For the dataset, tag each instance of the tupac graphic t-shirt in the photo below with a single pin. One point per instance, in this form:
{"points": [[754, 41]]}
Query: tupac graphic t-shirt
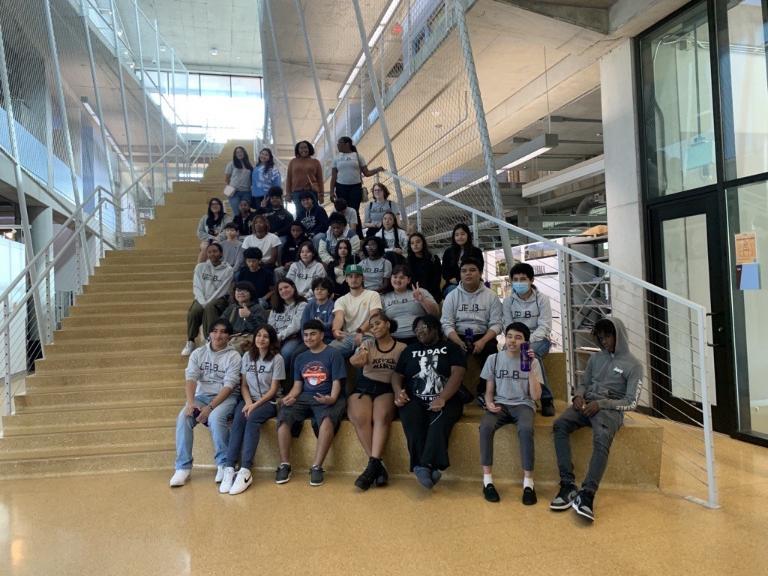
{"points": [[318, 371], [426, 369]]}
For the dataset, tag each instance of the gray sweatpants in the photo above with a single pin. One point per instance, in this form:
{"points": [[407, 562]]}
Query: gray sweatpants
{"points": [[521, 415], [604, 425]]}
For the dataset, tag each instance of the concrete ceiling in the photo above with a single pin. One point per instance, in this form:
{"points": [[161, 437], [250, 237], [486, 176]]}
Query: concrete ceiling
{"points": [[194, 27]]}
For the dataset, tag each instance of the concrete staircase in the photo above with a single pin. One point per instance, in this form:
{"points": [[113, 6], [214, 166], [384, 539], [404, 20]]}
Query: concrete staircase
{"points": [[106, 395]]}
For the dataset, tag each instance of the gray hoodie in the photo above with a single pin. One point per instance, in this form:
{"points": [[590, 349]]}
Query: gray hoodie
{"points": [[478, 311], [202, 229], [213, 370], [210, 282], [535, 312], [288, 323], [302, 275], [613, 380]]}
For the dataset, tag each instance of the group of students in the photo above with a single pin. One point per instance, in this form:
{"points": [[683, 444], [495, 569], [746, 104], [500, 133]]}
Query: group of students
{"points": [[284, 311]]}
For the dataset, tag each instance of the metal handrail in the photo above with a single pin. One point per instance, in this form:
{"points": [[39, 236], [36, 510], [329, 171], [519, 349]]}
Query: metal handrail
{"points": [[147, 171], [42, 276]]}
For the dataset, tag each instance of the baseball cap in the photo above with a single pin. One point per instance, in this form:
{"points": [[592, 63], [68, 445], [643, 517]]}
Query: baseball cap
{"points": [[353, 269]]}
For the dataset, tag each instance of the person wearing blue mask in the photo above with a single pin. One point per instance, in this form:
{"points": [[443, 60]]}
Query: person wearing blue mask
{"points": [[528, 305]]}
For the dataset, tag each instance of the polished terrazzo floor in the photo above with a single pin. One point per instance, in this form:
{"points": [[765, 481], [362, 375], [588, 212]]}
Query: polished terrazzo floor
{"points": [[134, 524]]}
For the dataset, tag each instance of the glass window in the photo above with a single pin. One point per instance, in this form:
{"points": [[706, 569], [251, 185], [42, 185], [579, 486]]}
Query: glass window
{"points": [[244, 87], [677, 105], [211, 85], [748, 213], [745, 108]]}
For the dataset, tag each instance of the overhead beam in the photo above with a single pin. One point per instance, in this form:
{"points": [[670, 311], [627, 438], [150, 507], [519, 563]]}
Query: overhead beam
{"points": [[576, 173], [595, 19]]}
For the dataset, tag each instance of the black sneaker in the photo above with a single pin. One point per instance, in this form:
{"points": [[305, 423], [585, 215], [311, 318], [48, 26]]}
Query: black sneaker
{"points": [[564, 497], [490, 493], [584, 505], [383, 478], [283, 474], [547, 408], [369, 475], [529, 496], [316, 476]]}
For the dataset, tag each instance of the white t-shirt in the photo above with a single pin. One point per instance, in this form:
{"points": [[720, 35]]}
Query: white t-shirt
{"points": [[348, 165], [259, 374], [357, 308], [264, 244], [389, 239]]}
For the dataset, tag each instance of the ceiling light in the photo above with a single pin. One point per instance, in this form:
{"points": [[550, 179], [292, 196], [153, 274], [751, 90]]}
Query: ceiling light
{"points": [[518, 155], [214, 51]]}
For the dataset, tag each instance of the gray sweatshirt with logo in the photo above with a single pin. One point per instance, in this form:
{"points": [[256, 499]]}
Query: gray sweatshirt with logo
{"points": [[613, 380], [535, 312], [287, 323], [213, 370], [478, 311], [210, 282]]}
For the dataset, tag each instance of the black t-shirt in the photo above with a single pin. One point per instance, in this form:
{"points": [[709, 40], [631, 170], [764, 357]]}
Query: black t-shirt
{"points": [[263, 279], [426, 369]]}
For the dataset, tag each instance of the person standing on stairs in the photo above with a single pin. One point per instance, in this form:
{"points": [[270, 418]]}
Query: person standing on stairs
{"points": [[265, 175], [238, 175], [304, 174], [262, 370], [610, 386], [528, 305], [210, 284], [212, 380]]}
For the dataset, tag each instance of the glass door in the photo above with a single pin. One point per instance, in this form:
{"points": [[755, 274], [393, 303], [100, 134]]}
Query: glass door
{"points": [[688, 259]]}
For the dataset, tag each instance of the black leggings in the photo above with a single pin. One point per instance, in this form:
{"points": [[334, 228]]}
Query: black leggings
{"points": [[427, 432]]}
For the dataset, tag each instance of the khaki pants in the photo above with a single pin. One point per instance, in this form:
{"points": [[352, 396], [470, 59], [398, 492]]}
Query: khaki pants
{"points": [[241, 342]]}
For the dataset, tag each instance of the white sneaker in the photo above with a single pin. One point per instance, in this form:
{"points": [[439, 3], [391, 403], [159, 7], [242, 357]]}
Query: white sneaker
{"points": [[180, 477], [242, 481], [219, 474], [188, 348], [226, 481]]}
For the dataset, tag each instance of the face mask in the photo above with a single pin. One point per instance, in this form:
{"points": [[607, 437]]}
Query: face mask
{"points": [[520, 288]]}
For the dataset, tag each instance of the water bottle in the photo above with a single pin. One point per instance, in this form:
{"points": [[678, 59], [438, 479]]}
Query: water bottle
{"points": [[469, 338], [525, 362]]}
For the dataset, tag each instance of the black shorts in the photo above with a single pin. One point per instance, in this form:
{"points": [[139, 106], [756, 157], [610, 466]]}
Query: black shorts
{"points": [[295, 414], [373, 388]]}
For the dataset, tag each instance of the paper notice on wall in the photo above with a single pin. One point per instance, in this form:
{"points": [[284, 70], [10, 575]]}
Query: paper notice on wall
{"points": [[746, 248]]}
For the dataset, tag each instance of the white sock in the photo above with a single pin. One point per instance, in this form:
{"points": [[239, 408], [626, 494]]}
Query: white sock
{"points": [[487, 479], [527, 482]]}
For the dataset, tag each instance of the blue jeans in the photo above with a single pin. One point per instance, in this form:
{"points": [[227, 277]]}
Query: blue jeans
{"points": [[245, 433], [347, 346], [237, 197], [217, 422], [541, 349]]}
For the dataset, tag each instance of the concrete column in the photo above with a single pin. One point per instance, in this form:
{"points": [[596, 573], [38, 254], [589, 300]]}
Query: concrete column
{"points": [[624, 192], [41, 226]]}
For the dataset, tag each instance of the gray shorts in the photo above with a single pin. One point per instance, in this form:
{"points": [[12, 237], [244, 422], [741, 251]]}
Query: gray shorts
{"points": [[295, 414]]}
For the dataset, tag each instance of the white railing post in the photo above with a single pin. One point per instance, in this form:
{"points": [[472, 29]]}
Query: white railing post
{"points": [[706, 406], [318, 95], [482, 125], [160, 99], [7, 392], [268, 12], [379, 107], [146, 100]]}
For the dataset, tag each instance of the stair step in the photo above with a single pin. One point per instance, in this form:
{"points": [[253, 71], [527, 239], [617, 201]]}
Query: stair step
{"points": [[142, 277], [47, 401], [137, 296], [35, 446], [159, 284], [121, 311], [104, 379], [89, 362], [146, 256], [139, 461], [146, 327], [159, 343], [141, 267], [97, 418], [160, 240], [83, 317]]}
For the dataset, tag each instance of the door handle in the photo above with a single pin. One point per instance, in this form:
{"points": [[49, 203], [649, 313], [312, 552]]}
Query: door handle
{"points": [[715, 345]]}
